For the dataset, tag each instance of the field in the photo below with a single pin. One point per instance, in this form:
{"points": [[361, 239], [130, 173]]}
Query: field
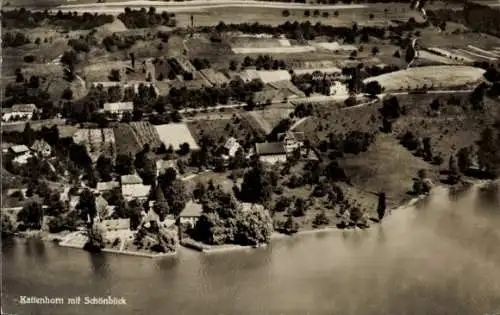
{"points": [[430, 76], [267, 119], [126, 140], [175, 135], [221, 129], [386, 166], [97, 141], [453, 128], [146, 134]]}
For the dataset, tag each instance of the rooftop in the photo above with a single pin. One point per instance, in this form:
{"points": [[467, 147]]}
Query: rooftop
{"points": [[192, 209], [231, 142], [131, 179], [118, 106], [270, 148], [299, 136], [24, 107], [104, 186], [19, 148]]}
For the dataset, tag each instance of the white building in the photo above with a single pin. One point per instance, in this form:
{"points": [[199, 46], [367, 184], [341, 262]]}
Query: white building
{"points": [[118, 108], [133, 188], [271, 152], [291, 140], [338, 88], [20, 154], [19, 112], [231, 146], [191, 213]]}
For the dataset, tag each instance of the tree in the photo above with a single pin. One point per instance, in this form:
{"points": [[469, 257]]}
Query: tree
{"points": [[86, 206], [464, 160], [184, 148], [124, 165], [435, 105], [95, 240], [427, 149], [373, 88], [390, 108], [381, 205], [114, 75], [488, 152], [69, 59], [290, 226], [176, 196], [67, 94], [307, 13], [31, 215], [336, 13], [477, 96], [371, 16], [257, 184], [285, 13], [397, 54], [104, 166], [28, 135], [375, 50], [453, 171], [334, 172], [7, 227], [321, 219], [233, 65], [254, 228]]}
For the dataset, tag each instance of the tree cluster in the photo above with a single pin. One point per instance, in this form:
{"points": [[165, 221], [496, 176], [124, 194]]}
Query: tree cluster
{"points": [[143, 18]]}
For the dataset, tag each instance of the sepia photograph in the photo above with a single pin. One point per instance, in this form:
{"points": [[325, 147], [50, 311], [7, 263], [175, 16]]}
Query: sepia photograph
{"points": [[250, 157]]}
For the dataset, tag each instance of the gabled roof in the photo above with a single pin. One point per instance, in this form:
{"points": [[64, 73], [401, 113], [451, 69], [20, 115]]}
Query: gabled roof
{"points": [[131, 179], [19, 148], [24, 107], [299, 136], [104, 186], [192, 209], [270, 148], [118, 106]]}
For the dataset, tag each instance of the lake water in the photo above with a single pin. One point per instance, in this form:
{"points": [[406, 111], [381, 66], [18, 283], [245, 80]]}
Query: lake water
{"points": [[443, 258]]}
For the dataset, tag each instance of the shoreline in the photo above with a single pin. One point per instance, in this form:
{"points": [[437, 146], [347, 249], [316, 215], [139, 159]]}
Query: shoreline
{"points": [[209, 249]]}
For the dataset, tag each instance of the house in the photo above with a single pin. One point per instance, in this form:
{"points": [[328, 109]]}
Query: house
{"points": [[107, 186], [118, 108], [231, 147], [20, 153], [41, 148], [248, 206], [19, 112], [163, 165], [271, 152], [291, 140], [133, 188], [115, 224], [338, 88], [191, 213]]}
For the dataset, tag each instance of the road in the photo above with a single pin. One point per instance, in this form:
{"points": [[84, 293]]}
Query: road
{"points": [[114, 7]]}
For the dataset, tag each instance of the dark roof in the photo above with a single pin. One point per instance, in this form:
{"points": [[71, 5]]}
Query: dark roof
{"points": [[192, 209], [270, 148]]}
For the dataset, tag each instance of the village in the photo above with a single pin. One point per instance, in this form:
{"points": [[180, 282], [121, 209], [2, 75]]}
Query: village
{"points": [[134, 136]]}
